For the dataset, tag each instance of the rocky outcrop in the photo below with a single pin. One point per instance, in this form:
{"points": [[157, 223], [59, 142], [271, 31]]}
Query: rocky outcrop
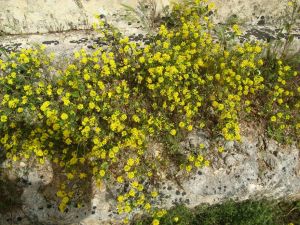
{"points": [[59, 26], [45, 16], [255, 168]]}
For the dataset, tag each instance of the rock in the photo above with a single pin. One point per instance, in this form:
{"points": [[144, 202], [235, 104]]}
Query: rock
{"points": [[248, 171], [197, 138], [22, 164], [230, 160]]}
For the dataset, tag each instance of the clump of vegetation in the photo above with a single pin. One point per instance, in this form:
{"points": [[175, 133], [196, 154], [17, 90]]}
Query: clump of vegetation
{"points": [[98, 115], [233, 213]]}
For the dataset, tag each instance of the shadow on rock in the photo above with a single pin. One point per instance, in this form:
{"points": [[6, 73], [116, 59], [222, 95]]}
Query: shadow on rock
{"points": [[28, 195]]}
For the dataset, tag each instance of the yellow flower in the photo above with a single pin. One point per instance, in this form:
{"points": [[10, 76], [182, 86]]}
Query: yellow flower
{"points": [[188, 168], [273, 118], [70, 176], [92, 105], [39, 153], [86, 77], [201, 146], [3, 119], [76, 55], [140, 187], [123, 117], [45, 105], [236, 29], [154, 194], [142, 59], [190, 127], [181, 124], [130, 175], [62, 207], [82, 175], [206, 163], [93, 93], [84, 60], [221, 149], [155, 222], [80, 106], [211, 6], [120, 198], [127, 168], [127, 209], [130, 162], [20, 110], [197, 164], [131, 193], [202, 125], [136, 118], [120, 179], [173, 132], [191, 158], [147, 206], [64, 116], [176, 219], [102, 173]]}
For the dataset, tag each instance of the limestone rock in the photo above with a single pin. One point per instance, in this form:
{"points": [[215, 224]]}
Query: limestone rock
{"points": [[248, 171]]}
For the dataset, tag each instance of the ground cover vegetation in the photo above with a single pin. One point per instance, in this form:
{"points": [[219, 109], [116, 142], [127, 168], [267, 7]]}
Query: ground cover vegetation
{"points": [[98, 114], [262, 212]]}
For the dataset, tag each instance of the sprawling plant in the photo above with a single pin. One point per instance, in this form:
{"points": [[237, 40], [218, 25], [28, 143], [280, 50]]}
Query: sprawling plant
{"points": [[98, 115]]}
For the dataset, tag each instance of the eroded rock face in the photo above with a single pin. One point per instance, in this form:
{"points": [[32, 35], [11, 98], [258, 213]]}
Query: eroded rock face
{"points": [[59, 25], [254, 11], [252, 169], [44, 16]]}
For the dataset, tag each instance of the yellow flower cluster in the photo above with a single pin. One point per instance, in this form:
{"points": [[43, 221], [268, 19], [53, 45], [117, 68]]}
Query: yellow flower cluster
{"points": [[101, 110]]}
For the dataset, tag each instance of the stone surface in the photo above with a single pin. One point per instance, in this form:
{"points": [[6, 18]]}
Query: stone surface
{"points": [[63, 44], [256, 168], [44, 16], [251, 11], [36, 22]]}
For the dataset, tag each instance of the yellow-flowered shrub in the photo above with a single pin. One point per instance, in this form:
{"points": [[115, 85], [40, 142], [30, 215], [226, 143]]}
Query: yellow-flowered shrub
{"points": [[102, 110]]}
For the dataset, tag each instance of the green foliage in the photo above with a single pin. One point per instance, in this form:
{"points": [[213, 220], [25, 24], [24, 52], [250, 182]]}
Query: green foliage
{"points": [[246, 213], [98, 115], [262, 212]]}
